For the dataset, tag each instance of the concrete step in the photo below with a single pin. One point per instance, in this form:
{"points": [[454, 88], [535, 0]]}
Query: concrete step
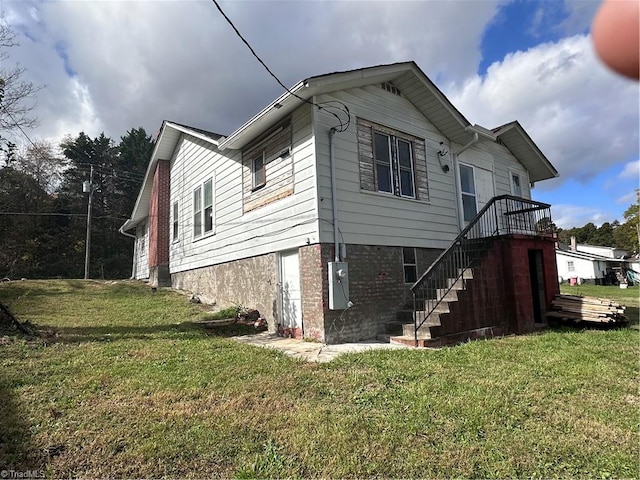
{"points": [[410, 341], [424, 331], [450, 296], [467, 274]]}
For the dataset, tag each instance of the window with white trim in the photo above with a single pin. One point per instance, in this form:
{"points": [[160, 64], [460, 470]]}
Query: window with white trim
{"points": [[394, 168], [571, 266], [516, 187], [468, 192], [409, 265], [203, 209], [175, 222]]}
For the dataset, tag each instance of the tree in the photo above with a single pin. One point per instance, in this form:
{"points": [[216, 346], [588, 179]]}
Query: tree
{"points": [[17, 96], [118, 173], [24, 233], [627, 234]]}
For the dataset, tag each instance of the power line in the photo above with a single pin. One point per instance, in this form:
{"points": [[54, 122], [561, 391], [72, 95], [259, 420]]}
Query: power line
{"points": [[319, 106], [52, 214], [18, 125]]}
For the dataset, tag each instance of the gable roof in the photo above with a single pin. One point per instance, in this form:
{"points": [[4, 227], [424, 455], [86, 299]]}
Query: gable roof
{"points": [[166, 143], [406, 76], [516, 139]]}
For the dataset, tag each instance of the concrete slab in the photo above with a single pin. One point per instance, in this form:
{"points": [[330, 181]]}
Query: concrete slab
{"points": [[311, 351]]}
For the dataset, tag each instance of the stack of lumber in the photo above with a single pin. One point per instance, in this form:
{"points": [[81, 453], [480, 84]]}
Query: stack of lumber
{"points": [[587, 309]]}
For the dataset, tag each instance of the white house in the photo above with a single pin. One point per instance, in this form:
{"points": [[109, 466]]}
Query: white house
{"points": [[607, 252], [581, 265], [323, 209]]}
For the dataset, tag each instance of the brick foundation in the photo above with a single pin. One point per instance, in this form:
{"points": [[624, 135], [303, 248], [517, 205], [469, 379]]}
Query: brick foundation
{"points": [[376, 288]]}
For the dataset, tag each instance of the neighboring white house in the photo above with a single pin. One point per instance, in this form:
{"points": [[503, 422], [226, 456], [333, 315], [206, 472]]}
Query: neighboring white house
{"points": [[580, 265], [365, 175]]}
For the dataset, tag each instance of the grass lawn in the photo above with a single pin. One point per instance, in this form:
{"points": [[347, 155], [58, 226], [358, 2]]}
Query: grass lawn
{"points": [[126, 386]]}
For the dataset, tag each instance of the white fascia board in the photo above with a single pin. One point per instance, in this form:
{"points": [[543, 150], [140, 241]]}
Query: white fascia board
{"points": [[266, 117], [136, 214], [192, 133]]}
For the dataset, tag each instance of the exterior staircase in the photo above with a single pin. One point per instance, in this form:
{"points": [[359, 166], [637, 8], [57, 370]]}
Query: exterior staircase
{"points": [[429, 332], [470, 275]]}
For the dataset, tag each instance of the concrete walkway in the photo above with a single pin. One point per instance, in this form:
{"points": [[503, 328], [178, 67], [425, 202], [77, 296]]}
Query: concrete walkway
{"points": [[310, 351]]}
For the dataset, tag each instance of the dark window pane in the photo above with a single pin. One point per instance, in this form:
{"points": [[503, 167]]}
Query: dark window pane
{"points": [[208, 219], [258, 171], [381, 148], [406, 183], [404, 154], [410, 274], [466, 179], [409, 255], [468, 207], [384, 178]]}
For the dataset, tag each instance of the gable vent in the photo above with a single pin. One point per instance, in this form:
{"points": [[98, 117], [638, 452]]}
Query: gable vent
{"points": [[391, 88]]}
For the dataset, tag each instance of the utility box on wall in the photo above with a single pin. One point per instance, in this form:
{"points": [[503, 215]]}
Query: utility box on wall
{"points": [[338, 285]]}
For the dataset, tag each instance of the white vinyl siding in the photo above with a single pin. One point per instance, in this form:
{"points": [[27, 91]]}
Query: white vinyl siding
{"points": [[371, 218], [142, 251], [287, 223]]}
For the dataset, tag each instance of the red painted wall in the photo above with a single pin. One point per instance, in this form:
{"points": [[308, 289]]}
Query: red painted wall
{"points": [[500, 295]]}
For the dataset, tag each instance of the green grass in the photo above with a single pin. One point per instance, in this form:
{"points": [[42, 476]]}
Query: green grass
{"points": [[123, 384]]}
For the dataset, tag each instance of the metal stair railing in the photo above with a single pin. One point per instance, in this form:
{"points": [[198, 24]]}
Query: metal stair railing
{"points": [[503, 215]]}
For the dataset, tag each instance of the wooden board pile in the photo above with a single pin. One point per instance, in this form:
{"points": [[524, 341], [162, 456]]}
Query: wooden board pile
{"points": [[587, 309]]}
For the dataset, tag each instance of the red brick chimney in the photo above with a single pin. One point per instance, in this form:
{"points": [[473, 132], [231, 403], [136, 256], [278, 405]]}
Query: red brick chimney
{"points": [[159, 227]]}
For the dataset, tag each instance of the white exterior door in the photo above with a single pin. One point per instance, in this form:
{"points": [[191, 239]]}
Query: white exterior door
{"points": [[476, 189], [290, 290]]}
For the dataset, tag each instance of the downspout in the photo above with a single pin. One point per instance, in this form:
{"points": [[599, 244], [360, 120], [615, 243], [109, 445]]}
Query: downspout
{"points": [[135, 248], [334, 197], [456, 176]]}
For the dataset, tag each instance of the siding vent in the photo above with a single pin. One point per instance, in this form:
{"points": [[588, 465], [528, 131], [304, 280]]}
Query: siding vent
{"points": [[391, 88]]}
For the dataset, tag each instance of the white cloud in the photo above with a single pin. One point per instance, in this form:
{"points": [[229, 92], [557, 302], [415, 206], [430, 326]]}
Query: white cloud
{"points": [[569, 216], [136, 63], [628, 198], [631, 170], [584, 118]]}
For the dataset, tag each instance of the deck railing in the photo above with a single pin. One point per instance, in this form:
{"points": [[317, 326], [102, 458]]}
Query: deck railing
{"points": [[503, 215]]}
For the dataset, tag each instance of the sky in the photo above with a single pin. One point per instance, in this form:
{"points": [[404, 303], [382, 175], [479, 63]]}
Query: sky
{"points": [[110, 66]]}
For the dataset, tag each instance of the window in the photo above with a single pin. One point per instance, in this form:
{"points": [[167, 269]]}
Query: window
{"points": [[175, 221], [258, 171], [393, 165], [391, 161], [468, 189], [516, 188], [570, 266], [410, 265], [144, 236], [203, 209]]}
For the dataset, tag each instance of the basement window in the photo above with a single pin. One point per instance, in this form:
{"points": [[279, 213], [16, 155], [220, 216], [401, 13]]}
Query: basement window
{"points": [[410, 265]]}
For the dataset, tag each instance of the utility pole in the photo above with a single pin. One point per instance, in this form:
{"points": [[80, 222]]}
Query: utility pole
{"points": [[87, 254]]}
